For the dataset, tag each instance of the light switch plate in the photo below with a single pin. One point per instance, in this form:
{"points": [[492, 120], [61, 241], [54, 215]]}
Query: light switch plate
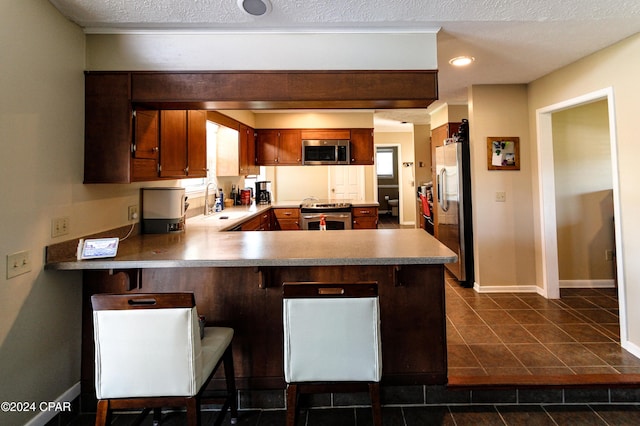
{"points": [[18, 263], [501, 196]]}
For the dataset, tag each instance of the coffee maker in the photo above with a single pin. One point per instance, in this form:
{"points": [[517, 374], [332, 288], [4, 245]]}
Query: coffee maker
{"points": [[263, 192]]}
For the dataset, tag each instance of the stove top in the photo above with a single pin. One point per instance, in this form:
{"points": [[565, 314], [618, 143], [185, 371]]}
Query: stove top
{"points": [[324, 204]]}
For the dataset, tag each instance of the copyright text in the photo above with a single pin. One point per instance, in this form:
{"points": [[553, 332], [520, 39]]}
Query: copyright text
{"points": [[25, 406]]}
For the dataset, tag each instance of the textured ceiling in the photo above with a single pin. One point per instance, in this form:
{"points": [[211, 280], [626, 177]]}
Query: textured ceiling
{"points": [[513, 41]]}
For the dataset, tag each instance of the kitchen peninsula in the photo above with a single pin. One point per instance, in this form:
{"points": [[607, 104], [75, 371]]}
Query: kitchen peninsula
{"points": [[237, 277]]}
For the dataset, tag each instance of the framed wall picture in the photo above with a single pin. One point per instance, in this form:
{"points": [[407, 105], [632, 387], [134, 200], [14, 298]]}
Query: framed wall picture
{"points": [[503, 153]]}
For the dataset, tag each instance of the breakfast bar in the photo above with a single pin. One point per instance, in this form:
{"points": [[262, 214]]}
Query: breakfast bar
{"points": [[237, 281]]}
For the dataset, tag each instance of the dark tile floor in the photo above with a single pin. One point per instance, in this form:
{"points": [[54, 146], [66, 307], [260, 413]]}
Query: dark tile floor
{"points": [[526, 334], [581, 414]]}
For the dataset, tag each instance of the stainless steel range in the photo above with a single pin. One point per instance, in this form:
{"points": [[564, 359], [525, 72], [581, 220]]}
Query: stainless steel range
{"points": [[337, 215]]}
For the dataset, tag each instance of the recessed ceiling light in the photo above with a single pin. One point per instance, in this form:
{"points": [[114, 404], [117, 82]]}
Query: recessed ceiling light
{"points": [[461, 61], [255, 7]]}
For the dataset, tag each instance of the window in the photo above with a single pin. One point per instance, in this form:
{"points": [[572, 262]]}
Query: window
{"points": [[384, 163]]}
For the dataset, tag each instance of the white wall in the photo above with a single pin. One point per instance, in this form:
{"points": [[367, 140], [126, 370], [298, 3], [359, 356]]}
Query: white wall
{"points": [[41, 140], [262, 51]]}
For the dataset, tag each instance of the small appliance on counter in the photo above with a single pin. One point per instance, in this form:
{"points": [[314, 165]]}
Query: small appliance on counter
{"points": [[163, 210], [263, 192]]}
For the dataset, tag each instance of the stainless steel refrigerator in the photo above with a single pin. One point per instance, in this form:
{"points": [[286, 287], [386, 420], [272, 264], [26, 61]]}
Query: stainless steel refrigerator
{"points": [[453, 214]]}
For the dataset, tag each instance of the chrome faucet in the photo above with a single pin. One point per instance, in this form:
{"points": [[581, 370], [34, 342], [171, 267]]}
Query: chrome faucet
{"points": [[208, 209]]}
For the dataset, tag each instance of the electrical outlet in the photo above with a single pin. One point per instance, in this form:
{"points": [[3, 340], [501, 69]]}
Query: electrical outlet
{"points": [[59, 226], [501, 196], [133, 213], [18, 263]]}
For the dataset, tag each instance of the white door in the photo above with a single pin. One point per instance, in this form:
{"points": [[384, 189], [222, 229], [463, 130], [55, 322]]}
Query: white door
{"points": [[346, 182]]}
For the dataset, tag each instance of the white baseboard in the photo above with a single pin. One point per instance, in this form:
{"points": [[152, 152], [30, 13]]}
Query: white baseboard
{"points": [[631, 347], [45, 416], [587, 283], [507, 289]]}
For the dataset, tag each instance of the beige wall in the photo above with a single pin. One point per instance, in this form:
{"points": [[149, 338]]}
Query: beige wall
{"points": [[422, 152], [502, 231], [584, 196], [612, 67], [41, 136]]}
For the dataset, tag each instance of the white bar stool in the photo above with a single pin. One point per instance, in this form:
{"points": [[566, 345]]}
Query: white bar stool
{"points": [[331, 341], [149, 353]]}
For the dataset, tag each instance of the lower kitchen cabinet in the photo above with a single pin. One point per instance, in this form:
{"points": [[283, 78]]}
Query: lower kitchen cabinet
{"points": [[364, 217], [286, 219]]}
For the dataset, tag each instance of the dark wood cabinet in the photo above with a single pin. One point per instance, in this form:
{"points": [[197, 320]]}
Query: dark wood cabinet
{"points": [[183, 144], [173, 144], [361, 148], [248, 157], [196, 143], [364, 217], [286, 219], [108, 127], [277, 147], [146, 145]]}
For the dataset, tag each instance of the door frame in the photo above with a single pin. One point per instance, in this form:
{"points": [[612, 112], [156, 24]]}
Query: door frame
{"points": [[400, 177], [546, 182]]}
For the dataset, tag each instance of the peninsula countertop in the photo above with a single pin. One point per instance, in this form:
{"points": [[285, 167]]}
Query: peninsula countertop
{"points": [[203, 245]]}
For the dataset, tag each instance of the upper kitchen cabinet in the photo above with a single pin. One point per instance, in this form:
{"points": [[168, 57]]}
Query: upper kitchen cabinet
{"points": [[361, 148], [248, 155], [146, 145], [183, 144], [235, 146], [122, 146], [108, 128], [278, 147]]}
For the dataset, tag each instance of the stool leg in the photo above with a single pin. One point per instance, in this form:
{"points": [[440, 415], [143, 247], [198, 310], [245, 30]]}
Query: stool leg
{"points": [[102, 413], [292, 404], [229, 375], [193, 411], [374, 393]]}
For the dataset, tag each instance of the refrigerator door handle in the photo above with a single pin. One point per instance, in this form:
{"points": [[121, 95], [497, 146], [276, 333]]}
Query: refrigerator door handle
{"points": [[442, 190]]}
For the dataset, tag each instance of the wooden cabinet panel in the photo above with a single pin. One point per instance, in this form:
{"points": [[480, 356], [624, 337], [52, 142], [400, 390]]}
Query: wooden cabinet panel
{"points": [[277, 147], [197, 144], [267, 147], [325, 134], [108, 127], [146, 137], [253, 224], [173, 143], [183, 144], [286, 219], [144, 169], [364, 217], [289, 147], [361, 147], [248, 156]]}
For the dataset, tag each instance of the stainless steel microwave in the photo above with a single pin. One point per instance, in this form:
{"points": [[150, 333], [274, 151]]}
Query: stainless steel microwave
{"points": [[325, 151]]}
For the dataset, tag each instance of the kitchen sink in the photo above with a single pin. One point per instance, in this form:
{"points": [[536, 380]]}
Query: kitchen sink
{"points": [[224, 215]]}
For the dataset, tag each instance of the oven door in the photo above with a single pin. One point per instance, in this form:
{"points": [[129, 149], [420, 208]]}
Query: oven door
{"points": [[334, 221]]}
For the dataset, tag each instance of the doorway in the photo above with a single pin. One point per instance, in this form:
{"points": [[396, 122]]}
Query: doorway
{"points": [[548, 205], [388, 182]]}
